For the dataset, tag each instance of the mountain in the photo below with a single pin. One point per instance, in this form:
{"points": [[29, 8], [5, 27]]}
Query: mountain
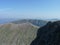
{"points": [[17, 34], [36, 22], [6, 20], [55, 19], [48, 34], [33, 21]]}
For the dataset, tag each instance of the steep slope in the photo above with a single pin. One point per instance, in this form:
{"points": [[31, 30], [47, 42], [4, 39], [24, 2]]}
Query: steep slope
{"points": [[33, 21], [17, 34], [48, 34]]}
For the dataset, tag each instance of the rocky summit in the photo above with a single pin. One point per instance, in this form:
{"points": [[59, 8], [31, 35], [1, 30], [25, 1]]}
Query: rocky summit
{"points": [[48, 34]]}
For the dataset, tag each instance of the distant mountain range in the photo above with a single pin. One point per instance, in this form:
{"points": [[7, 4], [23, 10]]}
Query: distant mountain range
{"points": [[37, 22], [52, 20], [6, 20], [33, 21]]}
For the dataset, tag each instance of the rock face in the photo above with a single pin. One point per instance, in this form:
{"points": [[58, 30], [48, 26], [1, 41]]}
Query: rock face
{"points": [[48, 34]]}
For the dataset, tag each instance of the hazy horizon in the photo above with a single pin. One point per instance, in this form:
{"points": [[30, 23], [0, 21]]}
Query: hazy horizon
{"points": [[26, 9]]}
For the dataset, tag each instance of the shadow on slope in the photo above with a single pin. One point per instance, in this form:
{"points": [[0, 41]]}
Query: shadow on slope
{"points": [[48, 34]]}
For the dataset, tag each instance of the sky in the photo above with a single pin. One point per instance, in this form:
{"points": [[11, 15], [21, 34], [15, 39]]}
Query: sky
{"points": [[34, 9]]}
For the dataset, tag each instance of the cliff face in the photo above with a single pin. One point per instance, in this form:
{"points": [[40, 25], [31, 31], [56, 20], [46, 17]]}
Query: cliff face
{"points": [[48, 34]]}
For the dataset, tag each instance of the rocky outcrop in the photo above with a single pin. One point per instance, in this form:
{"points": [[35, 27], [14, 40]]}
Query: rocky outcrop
{"points": [[48, 34]]}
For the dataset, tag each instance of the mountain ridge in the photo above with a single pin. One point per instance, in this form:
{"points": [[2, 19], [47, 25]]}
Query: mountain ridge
{"points": [[33, 21], [17, 34]]}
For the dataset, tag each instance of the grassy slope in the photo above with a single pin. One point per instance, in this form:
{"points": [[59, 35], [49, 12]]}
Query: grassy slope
{"points": [[17, 34]]}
